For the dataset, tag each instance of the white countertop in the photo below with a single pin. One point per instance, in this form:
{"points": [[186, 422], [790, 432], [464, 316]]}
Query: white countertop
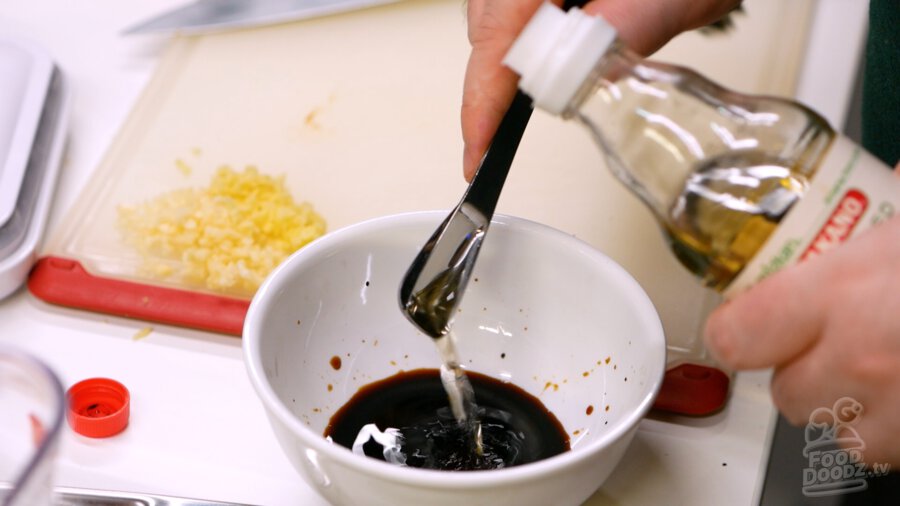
{"points": [[197, 429]]}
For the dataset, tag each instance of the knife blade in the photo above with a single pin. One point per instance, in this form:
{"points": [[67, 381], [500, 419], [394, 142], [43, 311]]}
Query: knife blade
{"points": [[71, 496], [218, 15]]}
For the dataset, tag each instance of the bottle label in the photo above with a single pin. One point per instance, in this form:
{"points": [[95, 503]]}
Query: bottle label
{"points": [[851, 191]]}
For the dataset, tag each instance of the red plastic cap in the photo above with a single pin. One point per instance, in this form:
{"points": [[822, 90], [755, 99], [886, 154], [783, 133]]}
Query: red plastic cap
{"points": [[98, 407], [693, 389]]}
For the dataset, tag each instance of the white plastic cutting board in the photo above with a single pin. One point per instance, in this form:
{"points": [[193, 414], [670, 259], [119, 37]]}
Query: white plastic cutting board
{"points": [[361, 112]]}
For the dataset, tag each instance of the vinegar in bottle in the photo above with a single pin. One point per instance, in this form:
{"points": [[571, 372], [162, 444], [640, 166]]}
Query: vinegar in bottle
{"points": [[741, 185]]}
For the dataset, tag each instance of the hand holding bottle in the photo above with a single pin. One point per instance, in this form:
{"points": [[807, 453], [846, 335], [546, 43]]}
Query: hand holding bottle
{"points": [[745, 186], [494, 24], [830, 328]]}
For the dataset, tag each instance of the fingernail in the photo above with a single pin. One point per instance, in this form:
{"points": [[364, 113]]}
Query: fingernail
{"points": [[468, 163]]}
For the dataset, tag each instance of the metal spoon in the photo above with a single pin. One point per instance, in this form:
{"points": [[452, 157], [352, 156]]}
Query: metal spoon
{"points": [[434, 284]]}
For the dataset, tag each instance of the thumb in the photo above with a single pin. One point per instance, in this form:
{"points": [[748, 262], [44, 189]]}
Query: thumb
{"points": [[771, 323]]}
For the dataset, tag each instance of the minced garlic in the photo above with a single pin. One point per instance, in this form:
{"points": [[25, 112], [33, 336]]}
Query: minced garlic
{"points": [[140, 334], [227, 237]]}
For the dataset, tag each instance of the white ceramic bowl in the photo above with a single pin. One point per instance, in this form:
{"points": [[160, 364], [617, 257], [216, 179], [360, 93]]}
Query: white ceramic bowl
{"points": [[544, 311]]}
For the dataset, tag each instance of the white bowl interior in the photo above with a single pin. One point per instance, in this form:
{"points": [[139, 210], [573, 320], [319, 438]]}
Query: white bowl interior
{"points": [[543, 311]]}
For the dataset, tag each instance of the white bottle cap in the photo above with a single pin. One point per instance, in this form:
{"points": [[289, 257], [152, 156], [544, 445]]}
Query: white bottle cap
{"points": [[555, 53]]}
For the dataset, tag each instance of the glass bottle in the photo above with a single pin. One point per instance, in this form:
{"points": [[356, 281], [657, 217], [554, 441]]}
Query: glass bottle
{"points": [[742, 185]]}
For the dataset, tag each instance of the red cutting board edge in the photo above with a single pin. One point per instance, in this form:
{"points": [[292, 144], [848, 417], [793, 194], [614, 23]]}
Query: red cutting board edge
{"points": [[688, 389], [65, 282]]}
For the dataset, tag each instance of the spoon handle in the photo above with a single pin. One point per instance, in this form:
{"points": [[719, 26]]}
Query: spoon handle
{"points": [[484, 190], [433, 286], [488, 181]]}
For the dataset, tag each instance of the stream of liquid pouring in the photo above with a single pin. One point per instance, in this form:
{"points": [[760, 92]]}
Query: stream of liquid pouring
{"points": [[459, 391]]}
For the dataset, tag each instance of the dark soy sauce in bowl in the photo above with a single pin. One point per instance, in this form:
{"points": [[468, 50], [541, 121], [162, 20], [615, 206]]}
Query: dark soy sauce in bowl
{"points": [[516, 428]]}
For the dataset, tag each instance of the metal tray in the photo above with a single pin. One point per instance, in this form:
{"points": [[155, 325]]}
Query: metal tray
{"points": [[33, 112]]}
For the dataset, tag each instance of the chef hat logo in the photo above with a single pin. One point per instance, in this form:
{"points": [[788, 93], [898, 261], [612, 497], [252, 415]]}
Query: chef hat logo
{"points": [[832, 428]]}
